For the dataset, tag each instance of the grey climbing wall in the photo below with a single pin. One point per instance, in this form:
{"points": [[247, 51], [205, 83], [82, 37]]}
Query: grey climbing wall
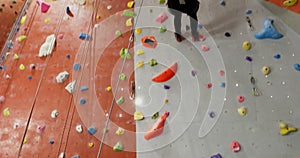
{"points": [[204, 121]]}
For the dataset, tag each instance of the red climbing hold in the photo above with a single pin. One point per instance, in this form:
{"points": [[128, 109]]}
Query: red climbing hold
{"points": [[44, 6], [149, 41], [157, 128], [241, 99], [235, 146]]}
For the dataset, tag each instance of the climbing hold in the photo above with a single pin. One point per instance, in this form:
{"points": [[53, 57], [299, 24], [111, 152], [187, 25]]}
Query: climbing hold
{"points": [[152, 62], [91, 144], [68, 11], [120, 100], [61, 77], [268, 31], [249, 11], [23, 19], [137, 31], [108, 88], [22, 67], [193, 72], [24, 141], [208, 85], [149, 41], [241, 99], [222, 3], [2, 99], [227, 34], [68, 56], [60, 36], [166, 100], [166, 74], [70, 87], [161, 17], [81, 2], [202, 38], [162, 29], [204, 48], [138, 115], [199, 26], [166, 87], [297, 67], [51, 141], [287, 130], [32, 66], [223, 84], [122, 76], [21, 38], [109, 7], [120, 131], [61, 155], [128, 13], [16, 56], [118, 147], [277, 56], [79, 128], [282, 124], [83, 88], [118, 33], [98, 17], [130, 4], [155, 115], [84, 36], [221, 72], [212, 114], [54, 113], [47, 20], [289, 3], [128, 22], [47, 46], [82, 101], [92, 130], [248, 58], [157, 128], [76, 67], [105, 130], [235, 146], [44, 7], [40, 128], [247, 45], [6, 112], [29, 77], [76, 156], [266, 70], [242, 111], [216, 156], [140, 63], [125, 53], [161, 1]]}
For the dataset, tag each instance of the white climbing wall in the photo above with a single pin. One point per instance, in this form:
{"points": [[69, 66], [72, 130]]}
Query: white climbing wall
{"points": [[204, 121]]}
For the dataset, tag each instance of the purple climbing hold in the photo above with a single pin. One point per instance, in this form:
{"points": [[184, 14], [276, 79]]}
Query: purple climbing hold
{"points": [[212, 114], [193, 72], [216, 156], [248, 58], [68, 56], [166, 86]]}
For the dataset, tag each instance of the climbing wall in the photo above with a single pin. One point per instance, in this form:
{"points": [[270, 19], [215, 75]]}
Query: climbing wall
{"points": [[234, 93], [9, 11]]}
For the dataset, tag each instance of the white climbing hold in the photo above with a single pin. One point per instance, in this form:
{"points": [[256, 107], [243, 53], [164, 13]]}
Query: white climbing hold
{"points": [[81, 2], [54, 113], [109, 7], [61, 77], [70, 87], [79, 128], [47, 47], [120, 131], [61, 155]]}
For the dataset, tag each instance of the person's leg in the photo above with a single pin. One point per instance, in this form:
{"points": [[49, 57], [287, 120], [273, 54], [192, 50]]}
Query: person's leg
{"points": [[194, 25], [177, 24]]}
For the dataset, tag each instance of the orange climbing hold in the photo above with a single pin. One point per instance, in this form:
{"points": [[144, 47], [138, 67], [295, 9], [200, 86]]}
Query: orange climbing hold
{"points": [[149, 41], [167, 74]]}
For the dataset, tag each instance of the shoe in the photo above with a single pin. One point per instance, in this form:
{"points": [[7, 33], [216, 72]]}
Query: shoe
{"points": [[195, 38], [178, 37]]}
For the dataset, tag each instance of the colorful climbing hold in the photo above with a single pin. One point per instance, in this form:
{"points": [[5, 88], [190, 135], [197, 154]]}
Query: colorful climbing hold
{"points": [[138, 31], [161, 1], [242, 111], [44, 7], [193, 72], [248, 58], [128, 13], [84, 36], [166, 87], [223, 84], [266, 70], [83, 88], [235, 146], [289, 3], [286, 129], [125, 53], [130, 4], [138, 115], [155, 115], [47, 20], [16, 56], [216, 156], [54, 113], [149, 41], [109, 7], [166, 74], [128, 22], [162, 29], [76, 67], [161, 17], [51, 141], [208, 85], [68, 11], [268, 31], [23, 19], [29, 77], [221, 72], [297, 67], [92, 130], [60, 36], [157, 128], [204, 48], [108, 88], [277, 56], [6, 112], [152, 62], [241, 99], [118, 147], [79, 128], [222, 3], [248, 11], [246, 45], [140, 63], [61, 77], [121, 100], [22, 67], [91, 144], [2, 99], [40, 128], [166, 100], [21, 38], [118, 33], [227, 34], [212, 114], [120, 131], [122, 76], [82, 101]]}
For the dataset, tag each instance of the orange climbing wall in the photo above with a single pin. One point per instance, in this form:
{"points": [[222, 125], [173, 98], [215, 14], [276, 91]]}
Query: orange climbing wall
{"points": [[9, 10], [295, 8], [31, 101]]}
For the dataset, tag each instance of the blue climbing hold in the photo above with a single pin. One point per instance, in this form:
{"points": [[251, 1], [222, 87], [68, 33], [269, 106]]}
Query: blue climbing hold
{"points": [[51, 141], [268, 31], [249, 11], [30, 77], [82, 101], [92, 130], [297, 67], [277, 56], [76, 156], [76, 67], [84, 36], [200, 26], [222, 3], [83, 88], [223, 84]]}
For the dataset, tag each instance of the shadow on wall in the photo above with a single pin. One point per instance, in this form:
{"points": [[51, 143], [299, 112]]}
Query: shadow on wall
{"points": [[9, 11]]}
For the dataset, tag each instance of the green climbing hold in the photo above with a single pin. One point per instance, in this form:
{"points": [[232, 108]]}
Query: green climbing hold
{"points": [[162, 1], [118, 33], [152, 62], [128, 13], [118, 147], [120, 100], [155, 116], [162, 29], [122, 77], [124, 53]]}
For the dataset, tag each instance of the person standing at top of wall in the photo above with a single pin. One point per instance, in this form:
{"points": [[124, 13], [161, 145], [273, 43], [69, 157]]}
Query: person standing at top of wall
{"points": [[189, 7]]}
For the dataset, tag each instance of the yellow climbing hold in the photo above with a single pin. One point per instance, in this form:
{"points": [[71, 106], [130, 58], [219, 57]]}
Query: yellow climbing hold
{"points": [[91, 144], [282, 125], [266, 70], [108, 88], [140, 52], [129, 22], [166, 100], [22, 67], [289, 3], [24, 141], [130, 4], [16, 57], [6, 112], [137, 31], [98, 17], [138, 115], [247, 45], [47, 20], [21, 38], [120, 131], [140, 64], [23, 19], [242, 111], [285, 129]]}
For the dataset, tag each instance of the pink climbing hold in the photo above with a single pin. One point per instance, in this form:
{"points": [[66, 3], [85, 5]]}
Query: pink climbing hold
{"points": [[209, 85], [241, 99], [235, 146], [222, 72], [60, 36], [44, 6], [202, 38], [40, 128], [161, 17], [2, 99], [204, 48]]}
